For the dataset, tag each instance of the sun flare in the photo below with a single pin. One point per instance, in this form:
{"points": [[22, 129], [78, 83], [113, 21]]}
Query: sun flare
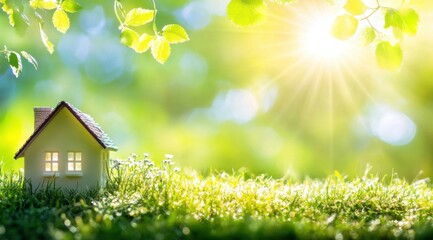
{"points": [[319, 72], [318, 43]]}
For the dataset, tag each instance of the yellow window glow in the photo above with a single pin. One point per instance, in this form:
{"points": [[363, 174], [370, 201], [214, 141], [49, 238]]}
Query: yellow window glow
{"points": [[78, 156], [70, 156], [74, 161], [55, 167], [78, 166], [47, 166], [70, 166]]}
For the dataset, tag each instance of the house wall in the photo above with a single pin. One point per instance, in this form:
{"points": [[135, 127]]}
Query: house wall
{"points": [[105, 156], [64, 134]]}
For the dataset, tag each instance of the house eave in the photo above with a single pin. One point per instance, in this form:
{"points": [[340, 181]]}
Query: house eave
{"points": [[62, 104], [114, 149]]}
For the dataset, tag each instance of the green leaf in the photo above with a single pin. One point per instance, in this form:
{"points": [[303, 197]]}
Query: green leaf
{"points": [[10, 12], [30, 59], [71, 6], [246, 12], [344, 27], [144, 43], [47, 43], [393, 18], [139, 16], [129, 37], [410, 21], [174, 33], [14, 60], [368, 36], [160, 49], [389, 57], [355, 7], [61, 21], [17, 18], [43, 4]]}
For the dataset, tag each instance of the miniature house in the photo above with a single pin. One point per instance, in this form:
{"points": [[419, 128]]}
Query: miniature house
{"points": [[68, 146]]}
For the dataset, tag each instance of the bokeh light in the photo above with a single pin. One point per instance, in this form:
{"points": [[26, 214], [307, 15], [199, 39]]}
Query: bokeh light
{"points": [[196, 15], [238, 105], [74, 48], [391, 126], [93, 21]]}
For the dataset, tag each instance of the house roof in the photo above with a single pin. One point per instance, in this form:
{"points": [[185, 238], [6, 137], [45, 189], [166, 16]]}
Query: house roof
{"points": [[85, 119]]}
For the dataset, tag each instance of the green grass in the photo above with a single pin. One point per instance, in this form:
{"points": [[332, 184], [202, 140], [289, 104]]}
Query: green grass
{"points": [[163, 202]]}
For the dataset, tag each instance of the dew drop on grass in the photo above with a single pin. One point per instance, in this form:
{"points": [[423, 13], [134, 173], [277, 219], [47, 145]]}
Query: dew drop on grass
{"points": [[67, 223], [331, 219], [73, 229], [396, 232], [185, 230]]}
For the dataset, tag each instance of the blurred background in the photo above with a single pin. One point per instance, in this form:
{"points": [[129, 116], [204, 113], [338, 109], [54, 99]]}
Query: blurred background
{"points": [[270, 99]]}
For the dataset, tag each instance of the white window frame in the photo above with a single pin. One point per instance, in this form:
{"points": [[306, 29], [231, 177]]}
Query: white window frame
{"points": [[74, 165], [51, 164]]}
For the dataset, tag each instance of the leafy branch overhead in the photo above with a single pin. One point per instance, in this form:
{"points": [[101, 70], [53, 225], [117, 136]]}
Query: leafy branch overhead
{"points": [[20, 13], [19, 18], [158, 41], [397, 22], [357, 20], [60, 17], [250, 12], [14, 60]]}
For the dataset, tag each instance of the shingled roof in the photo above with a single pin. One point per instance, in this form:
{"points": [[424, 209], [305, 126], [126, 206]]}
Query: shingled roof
{"points": [[85, 119]]}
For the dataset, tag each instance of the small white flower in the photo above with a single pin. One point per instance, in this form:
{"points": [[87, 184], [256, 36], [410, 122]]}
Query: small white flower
{"points": [[147, 161], [115, 162], [149, 176]]}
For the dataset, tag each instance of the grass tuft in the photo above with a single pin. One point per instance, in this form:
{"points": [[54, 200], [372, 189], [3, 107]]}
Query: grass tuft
{"points": [[146, 200]]}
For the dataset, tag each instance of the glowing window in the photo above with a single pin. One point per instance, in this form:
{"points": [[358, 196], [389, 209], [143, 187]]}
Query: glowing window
{"points": [[51, 161], [74, 161]]}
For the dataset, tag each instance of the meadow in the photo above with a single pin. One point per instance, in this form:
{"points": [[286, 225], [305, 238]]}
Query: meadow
{"points": [[161, 201]]}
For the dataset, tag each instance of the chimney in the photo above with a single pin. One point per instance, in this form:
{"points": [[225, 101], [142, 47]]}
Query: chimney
{"points": [[41, 113]]}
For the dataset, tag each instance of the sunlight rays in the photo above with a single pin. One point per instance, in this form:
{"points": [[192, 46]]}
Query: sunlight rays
{"points": [[324, 83], [322, 61], [317, 41], [324, 78]]}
